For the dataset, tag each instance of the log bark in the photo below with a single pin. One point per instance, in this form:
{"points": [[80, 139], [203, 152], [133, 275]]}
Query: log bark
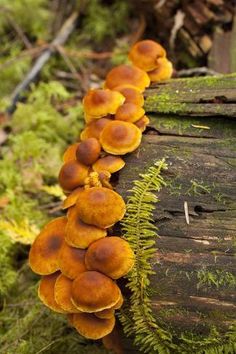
{"points": [[195, 265]]}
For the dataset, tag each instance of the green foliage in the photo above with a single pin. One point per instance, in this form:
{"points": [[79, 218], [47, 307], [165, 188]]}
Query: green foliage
{"points": [[215, 279], [7, 272]]}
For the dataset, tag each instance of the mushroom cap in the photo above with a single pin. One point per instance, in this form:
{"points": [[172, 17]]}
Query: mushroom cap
{"points": [[109, 163], [78, 233], [142, 123], [144, 54], [111, 256], [90, 326], [132, 94], [70, 153], [127, 74], [44, 252], [62, 294], [93, 291], [71, 261], [100, 102], [100, 206], [107, 313], [94, 129], [163, 70], [119, 138], [129, 112], [72, 198], [119, 303], [46, 292], [72, 175], [88, 151]]}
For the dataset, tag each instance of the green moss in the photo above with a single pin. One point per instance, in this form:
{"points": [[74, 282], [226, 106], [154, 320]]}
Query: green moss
{"points": [[164, 102], [215, 279]]}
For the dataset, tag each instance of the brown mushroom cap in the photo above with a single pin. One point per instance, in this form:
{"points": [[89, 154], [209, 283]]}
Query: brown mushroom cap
{"points": [[132, 94], [127, 74], [72, 175], [71, 261], [129, 112], [163, 71], [142, 123], [78, 233], [99, 102], [88, 151], [119, 303], [93, 292], [111, 256], [109, 163], [62, 294], [100, 206], [44, 252], [144, 54], [94, 129], [92, 327], [119, 138], [107, 313], [72, 198], [46, 292], [70, 153]]}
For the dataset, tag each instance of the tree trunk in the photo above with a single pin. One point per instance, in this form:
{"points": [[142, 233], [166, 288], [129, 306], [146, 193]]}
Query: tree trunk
{"points": [[195, 269]]}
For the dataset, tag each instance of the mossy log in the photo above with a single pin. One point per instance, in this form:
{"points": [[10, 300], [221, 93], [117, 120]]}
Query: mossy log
{"points": [[195, 265]]}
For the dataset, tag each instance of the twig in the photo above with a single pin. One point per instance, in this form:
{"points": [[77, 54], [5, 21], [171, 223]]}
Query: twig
{"points": [[186, 213], [19, 31], [60, 39]]}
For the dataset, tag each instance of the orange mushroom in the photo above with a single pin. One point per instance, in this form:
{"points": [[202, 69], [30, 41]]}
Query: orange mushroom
{"points": [[111, 256], [142, 123], [71, 261], [88, 151], [46, 292], [62, 294], [72, 175], [94, 129], [92, 327], [44, 252], [144, 54], [109, 163], [100, 206], [119, 138], [93, 292], [72, 198], [78, 233], [107, 313], [119, 303], [127, 74], [129, 112], [163, 70], [132, 94], [70, 153]]}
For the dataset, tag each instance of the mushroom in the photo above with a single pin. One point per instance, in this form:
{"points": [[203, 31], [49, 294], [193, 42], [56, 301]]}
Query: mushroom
{"points": [[93, 291], [109, 163], [111, 256], [72, 175], [132, 94], [92, 327], [163, 70], [142, 123], [119, 138], [78, 233], [100, 206], [100, 102], [70, 153], [62, 294], [71, 261], [44, 252], [129, 112], [88, 151], [46, 292], [119, 303], [94, 129], [127, 74], [72, 198], [107, 313], [113, 343]]}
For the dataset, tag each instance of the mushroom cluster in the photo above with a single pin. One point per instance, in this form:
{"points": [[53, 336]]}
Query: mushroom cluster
{"points": [[78, 260]]}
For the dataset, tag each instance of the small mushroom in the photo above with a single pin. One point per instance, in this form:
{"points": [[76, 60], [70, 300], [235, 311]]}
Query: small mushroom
{"points": [[100, 102], [144, 54], [107, 313], [129, 112], [44, 252], [127, 74], [72, 175], [88, 151], [119, 303], [142, 123], [94, 129], [79, 234], [113, 343], [62, 294], [71, 261], [163, 71], [90, 326], [111, 256], [93, 291], [119, 138], [132, 94], [72, 198], [70, 153], [109, 163], [100, 206], [46, 292]]}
